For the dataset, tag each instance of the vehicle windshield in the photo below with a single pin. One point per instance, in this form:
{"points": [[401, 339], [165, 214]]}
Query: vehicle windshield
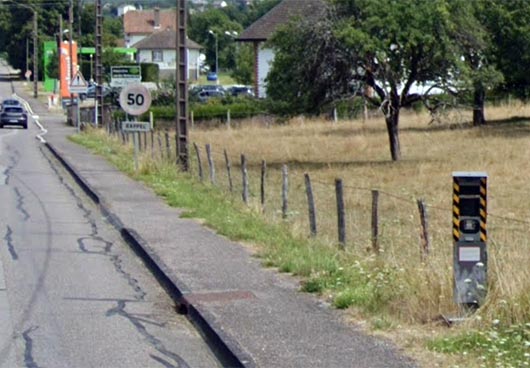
{"points": [[13, 109]]}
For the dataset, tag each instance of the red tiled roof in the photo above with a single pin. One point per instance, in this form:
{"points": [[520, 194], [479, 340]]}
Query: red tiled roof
{"points": [[143, 21], [263, 28]]}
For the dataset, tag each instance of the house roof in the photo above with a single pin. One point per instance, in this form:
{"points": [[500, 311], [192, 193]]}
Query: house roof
{"points": [[163, 40], [264, 27], [143, 21]]}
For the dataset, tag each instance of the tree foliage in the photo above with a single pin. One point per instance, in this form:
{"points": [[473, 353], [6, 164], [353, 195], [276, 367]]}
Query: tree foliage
{"points": [[319, 66], [395, 48]]}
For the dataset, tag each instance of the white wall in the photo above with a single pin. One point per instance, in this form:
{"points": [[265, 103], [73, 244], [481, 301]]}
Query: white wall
{"points": [[168, 63], [265, 58], [130, 40]]}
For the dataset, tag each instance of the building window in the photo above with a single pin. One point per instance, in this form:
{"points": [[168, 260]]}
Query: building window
{"points": [[158, 55]]}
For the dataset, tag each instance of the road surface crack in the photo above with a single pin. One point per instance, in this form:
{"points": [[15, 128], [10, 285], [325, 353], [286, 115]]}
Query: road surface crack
{"points": [[9, 240]]}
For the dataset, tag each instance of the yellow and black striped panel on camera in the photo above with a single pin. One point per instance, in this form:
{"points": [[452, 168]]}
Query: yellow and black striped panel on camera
{"points": [[483, 209], [469, 206]]}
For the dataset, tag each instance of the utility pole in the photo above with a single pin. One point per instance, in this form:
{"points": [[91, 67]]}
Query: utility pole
{"points": [[59, 49], [35, 52], [181, 90], [99, 67], [70, 35]]}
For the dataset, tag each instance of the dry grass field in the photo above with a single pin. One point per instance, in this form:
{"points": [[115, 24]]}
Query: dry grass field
{"points": [[358, 153], [398, 292]]}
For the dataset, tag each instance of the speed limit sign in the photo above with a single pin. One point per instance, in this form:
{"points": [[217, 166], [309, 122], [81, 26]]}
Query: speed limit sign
{"points": [[135, 99]]}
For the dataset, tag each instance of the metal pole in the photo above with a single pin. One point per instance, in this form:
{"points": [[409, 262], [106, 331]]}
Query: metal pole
{"points": [[27, 57], [216, 59]]}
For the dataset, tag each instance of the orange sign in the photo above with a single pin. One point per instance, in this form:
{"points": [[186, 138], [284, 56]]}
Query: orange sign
{"points": [[66, 61]]}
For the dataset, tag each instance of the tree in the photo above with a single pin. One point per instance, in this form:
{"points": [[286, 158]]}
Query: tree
{"points": [[243, 71], [397, 45], [218, 22], [478, 72], [507, 23], [311, 68]]}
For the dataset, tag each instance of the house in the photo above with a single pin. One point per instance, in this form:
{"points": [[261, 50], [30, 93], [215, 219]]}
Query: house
{"points": [[159, 48], [262, 30], [122, 9], [138, 24]]}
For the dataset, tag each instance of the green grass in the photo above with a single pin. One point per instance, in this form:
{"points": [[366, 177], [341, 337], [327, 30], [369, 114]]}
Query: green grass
{"points": [[343, 277], [323, 267], [224, 79], [496, 347]]}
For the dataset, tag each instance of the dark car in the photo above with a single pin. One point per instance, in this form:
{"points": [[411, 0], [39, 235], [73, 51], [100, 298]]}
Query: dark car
{"points": [[11, 102], [13, 115], [241, 91], [203, 93], [91, 92]]}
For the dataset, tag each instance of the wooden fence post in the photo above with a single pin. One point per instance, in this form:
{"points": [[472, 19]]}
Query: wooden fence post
{"points": [[199, 164], [160, 150], [310, 205], [285, 191], [152, 144], [262, 184], [244, 174], [168, 146], [210, 163], [229, 172], [341, 216], [424, 234], [375, 221]]}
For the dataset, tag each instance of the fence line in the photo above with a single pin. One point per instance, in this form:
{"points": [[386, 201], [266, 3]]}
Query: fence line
{"points": [[381, 230]]}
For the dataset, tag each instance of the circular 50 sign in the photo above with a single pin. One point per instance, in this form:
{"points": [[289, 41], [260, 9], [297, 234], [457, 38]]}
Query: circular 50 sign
{"points": [[135, 99]]}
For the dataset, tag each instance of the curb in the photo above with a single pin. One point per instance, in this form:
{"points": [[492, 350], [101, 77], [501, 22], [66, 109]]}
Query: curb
{"points": [[224, 347]]}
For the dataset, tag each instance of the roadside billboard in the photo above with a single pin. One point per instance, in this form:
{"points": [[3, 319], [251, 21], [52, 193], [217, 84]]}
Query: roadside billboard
{"points": [[66, 61]]}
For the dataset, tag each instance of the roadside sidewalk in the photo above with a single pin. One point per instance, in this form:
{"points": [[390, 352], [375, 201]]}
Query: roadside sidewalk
{"points": [[257, 317]]}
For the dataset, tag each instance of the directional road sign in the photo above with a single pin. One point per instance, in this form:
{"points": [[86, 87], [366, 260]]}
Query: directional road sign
{"points": [[121, 76]]}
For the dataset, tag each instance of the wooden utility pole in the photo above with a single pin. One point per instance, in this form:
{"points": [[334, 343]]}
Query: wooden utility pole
{"points": [[35, 54], [71, 53], [181, 88]]}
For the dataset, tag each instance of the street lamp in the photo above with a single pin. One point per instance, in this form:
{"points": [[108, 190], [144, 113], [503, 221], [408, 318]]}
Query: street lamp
{"points": [[216, 54], [91, 68]]}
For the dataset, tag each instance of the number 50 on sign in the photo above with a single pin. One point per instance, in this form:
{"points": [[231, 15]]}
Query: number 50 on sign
{"points": [[135, 99]]}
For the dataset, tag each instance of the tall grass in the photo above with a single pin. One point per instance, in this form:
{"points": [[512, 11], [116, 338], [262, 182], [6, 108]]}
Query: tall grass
{"points": [[358, 153], [397, 286]]}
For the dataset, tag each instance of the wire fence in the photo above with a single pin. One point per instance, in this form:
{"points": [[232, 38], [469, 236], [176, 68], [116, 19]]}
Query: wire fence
{"points": [[396, 226]]}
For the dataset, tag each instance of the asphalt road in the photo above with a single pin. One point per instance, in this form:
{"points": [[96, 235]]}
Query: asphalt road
{"points": [[72, 294]]}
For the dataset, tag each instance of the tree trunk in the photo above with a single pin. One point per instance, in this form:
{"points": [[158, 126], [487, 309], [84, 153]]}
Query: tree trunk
{"points": [[392, 121], [479, 96]]}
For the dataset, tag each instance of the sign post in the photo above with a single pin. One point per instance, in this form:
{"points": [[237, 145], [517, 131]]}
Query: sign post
{"points": [[135, 99], [78, 85], [469, 235]]}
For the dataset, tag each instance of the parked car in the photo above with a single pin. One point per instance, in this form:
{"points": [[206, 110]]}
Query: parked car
{"points": [[91, 92], [203, 93], [211, 76], [13, 115], [243, 91]]}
